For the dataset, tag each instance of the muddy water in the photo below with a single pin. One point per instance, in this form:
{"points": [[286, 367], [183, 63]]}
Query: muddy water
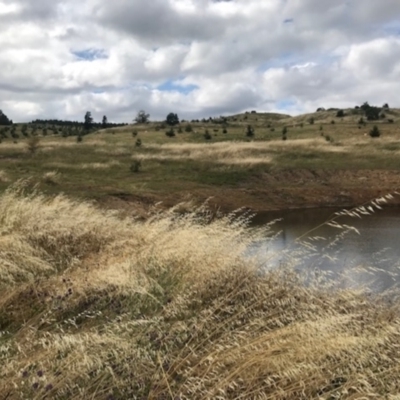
{"points": [[369, 259]]}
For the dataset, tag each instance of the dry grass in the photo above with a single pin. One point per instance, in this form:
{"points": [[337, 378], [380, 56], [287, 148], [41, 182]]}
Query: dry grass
{"points": [[93, 305]]}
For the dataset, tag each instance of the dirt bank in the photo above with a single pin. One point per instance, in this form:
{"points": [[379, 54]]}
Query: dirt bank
{"points": [[275, 190]]}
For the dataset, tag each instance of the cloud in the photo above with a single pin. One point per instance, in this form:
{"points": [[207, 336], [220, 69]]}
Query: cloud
{"points": [[198, 58]]}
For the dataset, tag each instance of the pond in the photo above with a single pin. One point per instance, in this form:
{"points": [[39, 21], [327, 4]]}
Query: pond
{"points": [[363, 252]]}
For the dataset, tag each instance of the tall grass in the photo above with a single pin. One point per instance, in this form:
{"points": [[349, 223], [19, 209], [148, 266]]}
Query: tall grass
{"points": [[94, 305]]}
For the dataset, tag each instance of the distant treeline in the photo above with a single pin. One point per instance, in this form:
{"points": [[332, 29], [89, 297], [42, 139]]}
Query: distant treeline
{"points": [[75, 124]]}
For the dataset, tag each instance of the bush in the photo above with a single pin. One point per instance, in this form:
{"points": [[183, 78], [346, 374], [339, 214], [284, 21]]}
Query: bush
{"points": [[170, 132], [79, 138], [374, 132], [250, 131], [33, 144], [188, 128], [134, 133], [311, 121], [138, 143], [340, 114], [207, 135], [224, 130], [136, 165]]}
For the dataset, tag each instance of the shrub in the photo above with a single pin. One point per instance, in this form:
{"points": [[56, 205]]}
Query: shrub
{"points": [[207, 135], [188, 128], [250, 131], [224, 130], [134, 133], [170, 132], [138, 143], [33, 144], [374, 132], [311, 120], [136, 165], [79, 138], [340, 114]]}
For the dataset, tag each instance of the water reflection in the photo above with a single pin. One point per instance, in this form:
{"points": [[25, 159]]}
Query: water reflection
{"points": [[369, 259]]}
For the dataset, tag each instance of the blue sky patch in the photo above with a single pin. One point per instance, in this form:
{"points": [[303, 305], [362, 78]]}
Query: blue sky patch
{"points": [[90, 54], [171, 86], [286, 104]]}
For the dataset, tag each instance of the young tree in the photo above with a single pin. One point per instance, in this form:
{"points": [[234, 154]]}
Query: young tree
{"points": [[374, 132], [172, 119], [142, 117], [88, 121], [104, 122]]}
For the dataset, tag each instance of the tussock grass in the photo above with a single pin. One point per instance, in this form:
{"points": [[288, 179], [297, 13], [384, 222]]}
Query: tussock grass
{"points": [[94, 305]]}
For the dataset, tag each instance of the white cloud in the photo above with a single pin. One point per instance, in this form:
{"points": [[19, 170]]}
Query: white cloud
{"points": [[291, 55]]}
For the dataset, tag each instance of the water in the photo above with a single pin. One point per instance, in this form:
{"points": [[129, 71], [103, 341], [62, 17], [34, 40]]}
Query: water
{"points": [[369, 259]]}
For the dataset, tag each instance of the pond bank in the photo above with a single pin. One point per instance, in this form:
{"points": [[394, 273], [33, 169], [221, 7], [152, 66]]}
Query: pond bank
{"points": [[275, 190]]}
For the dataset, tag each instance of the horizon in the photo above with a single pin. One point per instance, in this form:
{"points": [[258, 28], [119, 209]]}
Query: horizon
{"points": [[197, 58]]}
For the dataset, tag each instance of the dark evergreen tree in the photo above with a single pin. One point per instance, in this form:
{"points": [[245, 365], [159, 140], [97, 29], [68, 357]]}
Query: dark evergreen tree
{"points": [[172, 119], [104, 122], [88, 121], [4, 120]]}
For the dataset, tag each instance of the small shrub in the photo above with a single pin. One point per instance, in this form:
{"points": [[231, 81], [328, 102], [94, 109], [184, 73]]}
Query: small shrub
{"points": [[390, 121], [188, 128], [340, 114], [170, 132], [79, 139], [136, 165], [224, 130], [207, 135], [138, 143], [311, 120], [33, 144], [250, 131], [134, 133], [333, 122], [374, 132]]}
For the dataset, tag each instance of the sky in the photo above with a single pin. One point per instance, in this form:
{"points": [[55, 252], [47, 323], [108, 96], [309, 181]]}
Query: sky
{"points": [[196, 58]]}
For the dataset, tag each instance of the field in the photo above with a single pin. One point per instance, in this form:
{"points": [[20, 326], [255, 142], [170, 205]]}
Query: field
{"points": [[117, 282], [319, 164]]}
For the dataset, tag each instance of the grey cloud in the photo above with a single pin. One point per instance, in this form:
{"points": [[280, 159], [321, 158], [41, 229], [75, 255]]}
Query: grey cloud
{"points": [[157, 22]]}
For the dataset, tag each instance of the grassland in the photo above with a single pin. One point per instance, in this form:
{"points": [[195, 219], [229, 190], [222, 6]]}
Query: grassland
{"points": [[319, 164], [98, 303]]}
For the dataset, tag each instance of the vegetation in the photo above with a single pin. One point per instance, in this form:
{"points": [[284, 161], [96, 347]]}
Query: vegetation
{"points": [[142, 117], [375, 132], [97, 305], [172, 119], [4, 120]]}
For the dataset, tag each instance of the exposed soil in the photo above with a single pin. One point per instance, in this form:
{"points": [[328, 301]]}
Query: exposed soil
{"points": [[275, 190]]}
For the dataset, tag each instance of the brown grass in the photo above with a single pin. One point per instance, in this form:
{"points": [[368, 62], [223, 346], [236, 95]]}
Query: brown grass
{"points": [[94, 305]]}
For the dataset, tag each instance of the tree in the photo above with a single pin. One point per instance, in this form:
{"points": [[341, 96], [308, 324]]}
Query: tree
{"points": [[371, 112], [340, 114], [172, 119], [374, 132], [104, 123], [88, 121], [142, 117], [4, 120]]}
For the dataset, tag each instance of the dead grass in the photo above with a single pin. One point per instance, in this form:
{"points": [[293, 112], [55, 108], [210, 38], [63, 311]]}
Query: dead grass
{"points": [[93, 305]]}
